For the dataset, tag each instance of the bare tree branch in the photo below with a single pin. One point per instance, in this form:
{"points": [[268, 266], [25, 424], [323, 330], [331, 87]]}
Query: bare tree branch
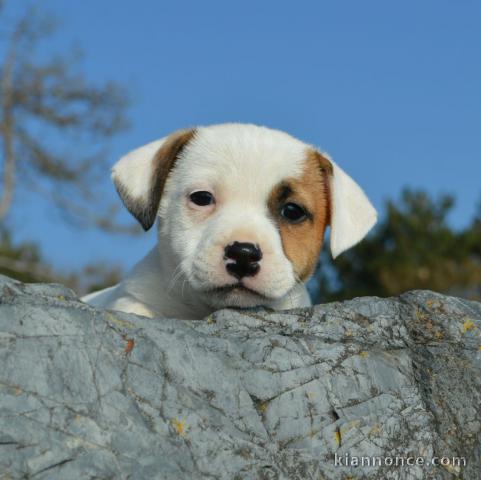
{"points": [[51, 97], [7, 126]]}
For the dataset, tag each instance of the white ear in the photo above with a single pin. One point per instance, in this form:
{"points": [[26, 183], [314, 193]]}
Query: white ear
{"points": [[352, 214], [140, 176], [133, 171]]}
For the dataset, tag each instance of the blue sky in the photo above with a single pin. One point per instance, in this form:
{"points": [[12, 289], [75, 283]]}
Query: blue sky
{"points": [[392, 90]]}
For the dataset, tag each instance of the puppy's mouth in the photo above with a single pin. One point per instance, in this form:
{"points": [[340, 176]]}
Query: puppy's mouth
{"points": [[237, 288], [235, 295]]}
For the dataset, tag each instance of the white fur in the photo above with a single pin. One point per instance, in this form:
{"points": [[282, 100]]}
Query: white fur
{"points": [[352, 214], [135, 169], [240, 165]]}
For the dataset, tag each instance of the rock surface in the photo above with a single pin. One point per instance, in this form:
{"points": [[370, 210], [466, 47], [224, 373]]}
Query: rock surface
{"points": [[86, 393]]}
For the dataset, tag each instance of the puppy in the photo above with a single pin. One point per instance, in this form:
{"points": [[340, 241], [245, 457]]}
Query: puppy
{"points": [[242, 213]]}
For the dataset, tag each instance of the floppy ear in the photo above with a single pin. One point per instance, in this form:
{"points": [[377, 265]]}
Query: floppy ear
{"points": [[351, 213], [140, 176]]}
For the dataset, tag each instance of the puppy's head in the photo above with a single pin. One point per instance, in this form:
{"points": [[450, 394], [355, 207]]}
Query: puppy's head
{"points": [[244, 208]]}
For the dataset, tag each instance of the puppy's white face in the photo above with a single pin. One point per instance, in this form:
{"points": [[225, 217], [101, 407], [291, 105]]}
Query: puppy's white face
{"points": [[243, 208], [230, 186]]}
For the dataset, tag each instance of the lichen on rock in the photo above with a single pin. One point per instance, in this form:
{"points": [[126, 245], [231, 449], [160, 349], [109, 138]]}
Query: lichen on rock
{"points": [[86, 393]]}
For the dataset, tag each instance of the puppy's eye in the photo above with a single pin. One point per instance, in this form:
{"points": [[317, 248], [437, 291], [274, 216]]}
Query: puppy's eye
{"points": [[293, 213], [202, 198]]}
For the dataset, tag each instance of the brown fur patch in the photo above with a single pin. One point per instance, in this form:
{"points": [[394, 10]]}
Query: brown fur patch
{"points": [[302, 242], [164, 160]]}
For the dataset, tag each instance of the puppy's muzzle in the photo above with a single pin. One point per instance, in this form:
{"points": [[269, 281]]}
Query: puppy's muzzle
{"points": [[242, 259]]}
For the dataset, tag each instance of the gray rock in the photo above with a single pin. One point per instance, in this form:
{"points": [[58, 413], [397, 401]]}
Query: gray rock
{"points": [[86, 393]]}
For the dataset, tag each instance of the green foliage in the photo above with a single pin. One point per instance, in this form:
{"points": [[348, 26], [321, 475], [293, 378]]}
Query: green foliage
{"points": [[412, 247], [24, 261]]}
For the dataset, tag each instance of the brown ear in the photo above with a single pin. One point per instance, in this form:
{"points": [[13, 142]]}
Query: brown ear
{"points": [[326, 171], [140, 176]]}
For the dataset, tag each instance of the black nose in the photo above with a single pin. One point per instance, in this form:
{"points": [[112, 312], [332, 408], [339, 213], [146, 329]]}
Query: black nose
{"points": [[246, 258]]}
